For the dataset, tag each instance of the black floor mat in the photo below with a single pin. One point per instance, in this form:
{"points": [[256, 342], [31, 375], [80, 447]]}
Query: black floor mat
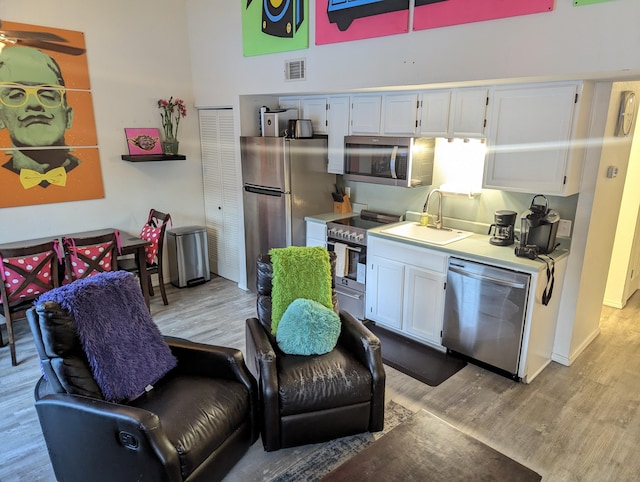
{"points": [[419, 361]]}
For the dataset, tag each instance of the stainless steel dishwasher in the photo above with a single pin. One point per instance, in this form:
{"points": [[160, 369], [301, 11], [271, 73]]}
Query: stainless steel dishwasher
{"points": [[484, 313]]}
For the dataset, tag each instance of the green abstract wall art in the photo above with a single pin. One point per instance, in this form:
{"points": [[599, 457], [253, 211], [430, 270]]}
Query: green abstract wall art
{"points": [[270, 26], [577, 3]]}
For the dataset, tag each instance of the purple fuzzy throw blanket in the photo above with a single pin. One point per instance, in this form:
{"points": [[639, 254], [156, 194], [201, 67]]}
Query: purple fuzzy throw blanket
{"points": [[124, 346]]}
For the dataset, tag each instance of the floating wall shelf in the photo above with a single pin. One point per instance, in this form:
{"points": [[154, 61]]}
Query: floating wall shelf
{"points": [[153, 157]]}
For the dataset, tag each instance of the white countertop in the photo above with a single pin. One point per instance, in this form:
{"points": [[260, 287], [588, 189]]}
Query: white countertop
{"points": [[328, 217], [476, 247]]}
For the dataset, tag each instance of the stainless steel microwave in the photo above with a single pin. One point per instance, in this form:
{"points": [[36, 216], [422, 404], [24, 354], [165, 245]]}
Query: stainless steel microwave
{"points": [[395, 161]]}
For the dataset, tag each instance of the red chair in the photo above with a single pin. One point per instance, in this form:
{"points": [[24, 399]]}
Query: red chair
{"points": [[27, 272], [85, 257], [153, 231]]}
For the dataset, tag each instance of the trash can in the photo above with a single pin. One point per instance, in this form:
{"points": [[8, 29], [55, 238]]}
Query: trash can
{"points": [[188, 256]]}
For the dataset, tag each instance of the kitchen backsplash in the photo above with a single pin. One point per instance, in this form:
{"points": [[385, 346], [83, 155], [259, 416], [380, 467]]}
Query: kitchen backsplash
{"points": [[475, 214]]}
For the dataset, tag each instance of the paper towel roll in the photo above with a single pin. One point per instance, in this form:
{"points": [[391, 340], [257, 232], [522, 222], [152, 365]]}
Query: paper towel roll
{"points": [[342, 260]]}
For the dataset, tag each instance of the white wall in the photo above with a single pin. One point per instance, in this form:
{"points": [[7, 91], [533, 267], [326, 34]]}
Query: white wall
{"points": [[138, 53], [569, 42], [595, 226], [622, 280]]}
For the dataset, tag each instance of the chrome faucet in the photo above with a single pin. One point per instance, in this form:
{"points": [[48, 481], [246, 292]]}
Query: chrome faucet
{"points": [[438, 222]]}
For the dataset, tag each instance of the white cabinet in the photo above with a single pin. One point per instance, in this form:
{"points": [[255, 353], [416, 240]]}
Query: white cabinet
{"points": [[384, 290], [454, 113], [405, 288], [399, 114], [530, 139], [434, 113], [365, 114], [337, 128], [469, 112], [315, 109], [424, 303], [290, 103], [316, 233]]}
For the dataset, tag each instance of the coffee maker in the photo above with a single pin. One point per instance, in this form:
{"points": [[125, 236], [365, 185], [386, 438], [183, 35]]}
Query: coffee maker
{"points": [[503, 226], [538, 228]]}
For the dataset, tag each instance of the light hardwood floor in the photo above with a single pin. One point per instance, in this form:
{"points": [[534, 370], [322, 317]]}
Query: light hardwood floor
{"points": [[578, 423]]}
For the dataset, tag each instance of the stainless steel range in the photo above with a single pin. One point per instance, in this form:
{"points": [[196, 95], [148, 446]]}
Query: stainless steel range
{"points": [[347, 237]]}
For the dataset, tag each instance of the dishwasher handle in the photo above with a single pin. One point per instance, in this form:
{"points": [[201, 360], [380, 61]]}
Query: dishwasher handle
{"points": [[491, 279]]}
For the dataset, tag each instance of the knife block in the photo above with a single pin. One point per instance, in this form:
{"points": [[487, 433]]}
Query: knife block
{"points": [[342, 207]]}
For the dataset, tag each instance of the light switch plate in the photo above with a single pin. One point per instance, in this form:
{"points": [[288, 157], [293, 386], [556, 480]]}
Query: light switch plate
{"points": [[564, 228]]}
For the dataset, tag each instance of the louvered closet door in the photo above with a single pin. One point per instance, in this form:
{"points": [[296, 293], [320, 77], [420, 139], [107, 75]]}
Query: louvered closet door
{"points": [[221, 191]]}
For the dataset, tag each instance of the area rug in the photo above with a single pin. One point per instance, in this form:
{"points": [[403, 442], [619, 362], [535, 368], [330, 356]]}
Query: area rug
{"points": [[419, 361], [425, 447], [323, 458]]}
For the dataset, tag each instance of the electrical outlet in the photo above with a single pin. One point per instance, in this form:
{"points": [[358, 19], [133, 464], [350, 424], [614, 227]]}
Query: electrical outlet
{"points": [[564, 228], [347, 191]]}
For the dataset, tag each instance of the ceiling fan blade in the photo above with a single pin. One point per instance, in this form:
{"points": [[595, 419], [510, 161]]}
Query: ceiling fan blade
{"points": [[64, 49], [26, 35]]}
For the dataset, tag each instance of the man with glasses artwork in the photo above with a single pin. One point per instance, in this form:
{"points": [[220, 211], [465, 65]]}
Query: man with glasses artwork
{"points": [[34, 110]]}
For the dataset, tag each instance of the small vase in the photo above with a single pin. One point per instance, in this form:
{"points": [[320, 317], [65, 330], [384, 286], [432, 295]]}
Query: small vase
{"points": [[170, 146]]}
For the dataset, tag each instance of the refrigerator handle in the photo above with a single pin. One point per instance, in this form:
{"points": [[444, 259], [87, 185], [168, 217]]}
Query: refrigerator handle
{"points": [[263, 190]]}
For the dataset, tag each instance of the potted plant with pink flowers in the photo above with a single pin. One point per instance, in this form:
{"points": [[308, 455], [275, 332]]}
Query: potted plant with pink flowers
{"points": [[171, 111]]}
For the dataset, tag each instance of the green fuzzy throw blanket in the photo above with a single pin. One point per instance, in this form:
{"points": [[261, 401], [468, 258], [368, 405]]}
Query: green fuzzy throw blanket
{"points": [[299, 272]]}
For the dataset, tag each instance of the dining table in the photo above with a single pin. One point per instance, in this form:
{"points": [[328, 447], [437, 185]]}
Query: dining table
{"points": [[129, 244]]}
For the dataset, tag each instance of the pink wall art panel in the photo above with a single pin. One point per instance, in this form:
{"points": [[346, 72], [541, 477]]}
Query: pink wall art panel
{"points": [[344, 20], [441, 13]]}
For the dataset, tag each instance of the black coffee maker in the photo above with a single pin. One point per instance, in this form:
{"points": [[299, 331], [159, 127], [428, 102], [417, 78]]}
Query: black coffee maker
{"points": [[538, 228], [503, 226]]}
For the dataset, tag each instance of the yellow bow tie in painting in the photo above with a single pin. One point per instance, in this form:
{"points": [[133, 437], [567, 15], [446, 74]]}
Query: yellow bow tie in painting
{"points": [[30, 178]]}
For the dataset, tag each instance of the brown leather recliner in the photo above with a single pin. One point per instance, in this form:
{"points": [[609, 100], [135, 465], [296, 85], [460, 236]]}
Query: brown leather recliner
{"points": [[195, 424], [310, 399]]}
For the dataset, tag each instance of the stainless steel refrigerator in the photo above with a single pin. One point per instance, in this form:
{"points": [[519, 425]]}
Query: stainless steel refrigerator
{"points": [[284, 181]]}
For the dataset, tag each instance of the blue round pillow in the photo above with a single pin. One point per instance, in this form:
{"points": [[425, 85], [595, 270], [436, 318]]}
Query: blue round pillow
{"points": [[308, 328]]}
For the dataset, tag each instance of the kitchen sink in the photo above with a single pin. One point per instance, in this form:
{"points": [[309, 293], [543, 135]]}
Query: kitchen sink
{"points": [[428, 234]]}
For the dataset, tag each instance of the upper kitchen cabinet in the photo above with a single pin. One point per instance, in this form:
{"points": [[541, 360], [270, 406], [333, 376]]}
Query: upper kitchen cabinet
{"points": [[454, 113], [468, 116], [337, 128], [290, 103], [434, 113], [531, 133], [315, 109], [399, 114], [365, 114]]}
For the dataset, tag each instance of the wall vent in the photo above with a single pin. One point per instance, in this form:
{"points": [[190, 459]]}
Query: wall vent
{"points": [[295, 69]]}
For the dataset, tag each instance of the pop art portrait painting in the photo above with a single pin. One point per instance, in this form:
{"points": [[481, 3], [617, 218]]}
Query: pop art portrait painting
{"points": [[48, 141]]}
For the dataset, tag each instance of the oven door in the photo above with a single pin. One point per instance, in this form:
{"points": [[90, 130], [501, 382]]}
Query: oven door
{"points": [[349, 298], [350, 284]]}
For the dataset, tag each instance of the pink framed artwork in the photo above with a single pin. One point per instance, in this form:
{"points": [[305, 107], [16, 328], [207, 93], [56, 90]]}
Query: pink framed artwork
{"points": [[443, 13], [341, 21], [143, 140]]}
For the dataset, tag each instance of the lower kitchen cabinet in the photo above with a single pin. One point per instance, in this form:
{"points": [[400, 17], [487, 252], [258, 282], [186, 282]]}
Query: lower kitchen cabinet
{"points": [[405, 288], [424, 303], [405, 292], [385, 290], [316, 233]]}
